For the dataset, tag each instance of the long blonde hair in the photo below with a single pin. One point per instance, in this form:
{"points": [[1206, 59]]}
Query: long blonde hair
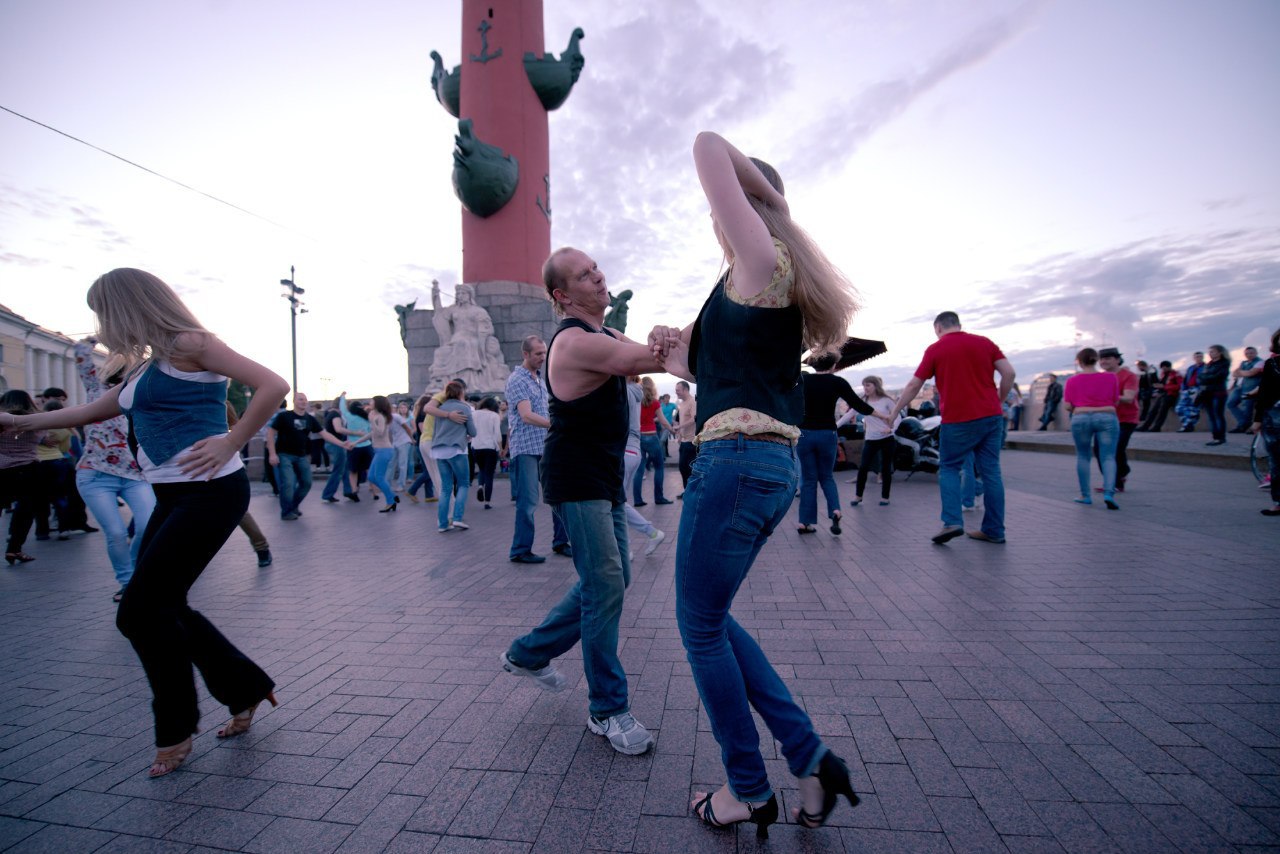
{"points": [[650, 390], [827, 299], [139, 317]]}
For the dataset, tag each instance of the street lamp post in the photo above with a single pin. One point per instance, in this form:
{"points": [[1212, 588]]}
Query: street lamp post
{"points": [[295, 307]]}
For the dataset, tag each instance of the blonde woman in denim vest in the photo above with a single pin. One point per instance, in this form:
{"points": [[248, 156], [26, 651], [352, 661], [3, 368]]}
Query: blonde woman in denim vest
{"points": [[175, 398]]}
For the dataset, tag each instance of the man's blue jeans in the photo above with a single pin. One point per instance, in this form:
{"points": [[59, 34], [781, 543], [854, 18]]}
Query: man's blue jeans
{"points": [[293, 477], [982, 438], [526, 487], [338, 472], [455, 482], [100, 491], [740, 490], [1241, 407], [817, 452], [1104, 427], [590, 611]]}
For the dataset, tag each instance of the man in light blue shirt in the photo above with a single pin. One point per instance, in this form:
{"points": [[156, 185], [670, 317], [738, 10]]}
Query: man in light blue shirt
{"points": [[528, 421]]}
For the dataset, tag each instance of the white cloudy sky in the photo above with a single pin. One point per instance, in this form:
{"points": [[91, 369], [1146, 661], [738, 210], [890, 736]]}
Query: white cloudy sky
{"points": [[1058, 172]]}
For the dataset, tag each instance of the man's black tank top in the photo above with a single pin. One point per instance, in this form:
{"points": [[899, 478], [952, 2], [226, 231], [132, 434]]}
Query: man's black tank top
{"points": [[582, 459]]}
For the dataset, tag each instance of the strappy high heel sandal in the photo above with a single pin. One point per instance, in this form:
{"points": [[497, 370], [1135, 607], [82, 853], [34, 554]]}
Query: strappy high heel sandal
{"points": [[18, 557], [168, 759], [833, 776], [761, 816], [241, 722]]}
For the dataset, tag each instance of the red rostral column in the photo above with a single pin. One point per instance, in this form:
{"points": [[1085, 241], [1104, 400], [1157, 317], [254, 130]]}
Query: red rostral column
{"points": [[501, 92]]}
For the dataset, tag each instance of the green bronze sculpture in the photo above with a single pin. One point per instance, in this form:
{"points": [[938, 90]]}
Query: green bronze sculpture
{"points": [[553, 78], [484, 178], [446, 85], [617, 315]]}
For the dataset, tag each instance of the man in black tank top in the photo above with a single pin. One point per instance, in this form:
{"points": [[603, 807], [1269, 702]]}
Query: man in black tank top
{"points": [[582, 479]]}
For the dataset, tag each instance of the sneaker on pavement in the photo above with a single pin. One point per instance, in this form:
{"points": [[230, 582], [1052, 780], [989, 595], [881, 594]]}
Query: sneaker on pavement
{"points": [[624, 732], [655, 538], [547, 678], [264, 557]]}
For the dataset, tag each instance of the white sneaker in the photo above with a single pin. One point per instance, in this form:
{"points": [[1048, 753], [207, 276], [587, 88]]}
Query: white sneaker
{"points": [[462, 526], [547, 678], [655, 539], [624, 732]]}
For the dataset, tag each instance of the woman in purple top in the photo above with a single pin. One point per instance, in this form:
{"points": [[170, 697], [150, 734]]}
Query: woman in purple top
{"points": [[1090, 397]]}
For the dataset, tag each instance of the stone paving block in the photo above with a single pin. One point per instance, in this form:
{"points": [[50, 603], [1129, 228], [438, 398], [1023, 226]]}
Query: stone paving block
{"points": [[1074, 828], [124, 844], [59, 839], [440, 808], [904, 805], [375, 833], [287, 768], [82, 809], [233, 793], [13, 830], [231, 828], [296, 801], [1004, 807], [298, 834], [965, 826], [1228, 821], [1026, 772]]}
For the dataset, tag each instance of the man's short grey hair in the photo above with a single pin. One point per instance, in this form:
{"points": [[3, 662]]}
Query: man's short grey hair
{"points": [[529, 342], [947, 320]]}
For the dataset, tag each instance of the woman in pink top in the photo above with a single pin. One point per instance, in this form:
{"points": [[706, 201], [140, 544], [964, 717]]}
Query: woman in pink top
{"points": [[1091, 396]]}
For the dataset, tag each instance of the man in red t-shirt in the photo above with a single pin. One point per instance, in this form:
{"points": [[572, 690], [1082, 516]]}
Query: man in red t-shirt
{"points": [[972, 422], [1110, 360]]}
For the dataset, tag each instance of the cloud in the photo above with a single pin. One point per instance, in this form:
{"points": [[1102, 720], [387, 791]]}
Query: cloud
{"points": [[1156, 297], [410, 282], [624, 188], [833, 139]]}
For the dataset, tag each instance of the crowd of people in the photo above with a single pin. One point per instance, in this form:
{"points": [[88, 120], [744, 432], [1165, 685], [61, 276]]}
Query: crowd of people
{"points": [[582, 426]]}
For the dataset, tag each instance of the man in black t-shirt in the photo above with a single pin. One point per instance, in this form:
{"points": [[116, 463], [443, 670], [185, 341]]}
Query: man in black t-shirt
{"points": [[288, 434]]}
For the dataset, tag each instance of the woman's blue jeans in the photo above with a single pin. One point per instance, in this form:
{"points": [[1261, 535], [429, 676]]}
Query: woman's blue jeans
{"points": [[455, 482], [740, 490], [817, 452], [100, 491], [1105, 428], [382, 458], [1216, 406], [592, 608]]}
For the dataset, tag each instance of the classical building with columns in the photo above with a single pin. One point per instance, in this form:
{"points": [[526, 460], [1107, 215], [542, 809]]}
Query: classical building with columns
{"points": [[33, 358]]}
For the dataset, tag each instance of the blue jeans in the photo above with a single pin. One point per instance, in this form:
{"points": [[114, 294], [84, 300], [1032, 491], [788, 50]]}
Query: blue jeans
{"points": [[740, 490], [455, 482], [1216, 406], [400, 472], [1241, 407], [1105, 428], [970, 482], [525, 486], [591, 609], [293, 477], [382, 458], [980, 437], [650, 454], [338, 474], [817, 452], [100, 491]]}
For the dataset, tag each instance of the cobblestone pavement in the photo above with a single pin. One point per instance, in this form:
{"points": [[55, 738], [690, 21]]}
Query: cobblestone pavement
{"points": [[1105, 682]]}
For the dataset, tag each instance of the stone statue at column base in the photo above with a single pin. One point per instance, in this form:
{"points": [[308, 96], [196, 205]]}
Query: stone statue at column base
{"points": [[468, 348]]}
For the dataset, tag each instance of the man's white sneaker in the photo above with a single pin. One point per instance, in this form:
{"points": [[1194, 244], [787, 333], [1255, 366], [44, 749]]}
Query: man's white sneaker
{"points": [[655, 538], [624, 732], [547, 678]]}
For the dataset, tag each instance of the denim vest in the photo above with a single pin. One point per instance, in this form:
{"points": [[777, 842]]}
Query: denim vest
{"points": [[169, 414], [749, 357]]}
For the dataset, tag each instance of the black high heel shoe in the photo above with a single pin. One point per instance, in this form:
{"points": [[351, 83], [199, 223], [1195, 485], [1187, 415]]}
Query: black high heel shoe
{"points": [[390, 508], [761, 816], [833, 775], [17, 557]]}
